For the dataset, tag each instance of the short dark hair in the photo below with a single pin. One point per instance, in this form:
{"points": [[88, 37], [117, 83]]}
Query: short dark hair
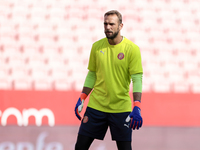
{"points": [[114, 12]]}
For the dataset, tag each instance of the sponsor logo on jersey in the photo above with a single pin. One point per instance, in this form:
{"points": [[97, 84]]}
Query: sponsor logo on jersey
{"points": [[102, 52]]}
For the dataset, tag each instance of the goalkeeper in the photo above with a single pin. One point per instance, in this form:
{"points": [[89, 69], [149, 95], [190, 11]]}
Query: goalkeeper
{"points": [[114, 61]]}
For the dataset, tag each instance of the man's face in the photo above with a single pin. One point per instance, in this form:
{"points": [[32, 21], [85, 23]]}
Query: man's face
{"points": [[111, 26]]}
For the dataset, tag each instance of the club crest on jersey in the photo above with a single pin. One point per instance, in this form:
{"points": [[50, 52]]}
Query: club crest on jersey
{"points": [[85, 119], [120, 56]]}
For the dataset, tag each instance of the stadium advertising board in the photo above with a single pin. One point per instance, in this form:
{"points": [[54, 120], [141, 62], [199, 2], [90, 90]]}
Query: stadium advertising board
{"points": [[51, 108], [38, 138]]}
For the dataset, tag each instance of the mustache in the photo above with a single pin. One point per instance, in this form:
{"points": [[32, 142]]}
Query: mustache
{"points": [[108, 31]]}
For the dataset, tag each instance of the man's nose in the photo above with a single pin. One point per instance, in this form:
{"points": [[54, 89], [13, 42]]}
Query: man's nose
{"points": [[107, 27]]}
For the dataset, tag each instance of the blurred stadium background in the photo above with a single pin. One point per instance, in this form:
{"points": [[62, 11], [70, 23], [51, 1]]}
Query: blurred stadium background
{"points": [[44, 51]]}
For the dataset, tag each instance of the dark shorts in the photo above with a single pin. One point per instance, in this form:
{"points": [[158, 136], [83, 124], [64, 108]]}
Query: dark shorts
{"points": [[95, 124]]}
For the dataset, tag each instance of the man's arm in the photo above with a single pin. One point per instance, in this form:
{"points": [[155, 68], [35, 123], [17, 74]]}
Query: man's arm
{"points": [[87, 88], [137, 96], [135, 115], [89, 82]]}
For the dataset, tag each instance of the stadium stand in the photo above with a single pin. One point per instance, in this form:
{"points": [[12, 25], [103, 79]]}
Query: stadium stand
{"points": [[45, 44]]}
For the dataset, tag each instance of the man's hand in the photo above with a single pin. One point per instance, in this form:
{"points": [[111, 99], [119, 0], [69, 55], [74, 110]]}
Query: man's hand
{"points": [[78, 108], [135, 117], [79, 105]]}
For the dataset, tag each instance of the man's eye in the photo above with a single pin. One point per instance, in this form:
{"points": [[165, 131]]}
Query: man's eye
{"points": [[111, 24]]}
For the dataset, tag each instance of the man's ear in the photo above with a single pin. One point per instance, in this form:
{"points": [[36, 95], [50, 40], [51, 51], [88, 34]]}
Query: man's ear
{"points": [[121, 26]]}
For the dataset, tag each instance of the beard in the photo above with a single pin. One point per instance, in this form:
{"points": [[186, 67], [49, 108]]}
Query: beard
{"points": [[113, 35]]}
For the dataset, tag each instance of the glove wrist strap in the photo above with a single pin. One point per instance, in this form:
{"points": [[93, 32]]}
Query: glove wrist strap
{"points": [[137, 103], [83, 96]]}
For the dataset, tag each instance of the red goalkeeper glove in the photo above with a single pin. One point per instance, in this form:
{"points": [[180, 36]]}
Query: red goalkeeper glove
{"points": [[79, 105], [135, 117]]}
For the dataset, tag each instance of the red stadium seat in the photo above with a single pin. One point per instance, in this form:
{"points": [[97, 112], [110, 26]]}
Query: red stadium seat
{"points": [[52, 42]]}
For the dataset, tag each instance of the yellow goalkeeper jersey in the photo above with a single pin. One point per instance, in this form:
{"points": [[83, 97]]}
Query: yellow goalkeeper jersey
{"points": [[114, 65]]}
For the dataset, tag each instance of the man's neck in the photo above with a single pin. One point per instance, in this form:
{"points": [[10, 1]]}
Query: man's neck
{"points": [[116, 40]]}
